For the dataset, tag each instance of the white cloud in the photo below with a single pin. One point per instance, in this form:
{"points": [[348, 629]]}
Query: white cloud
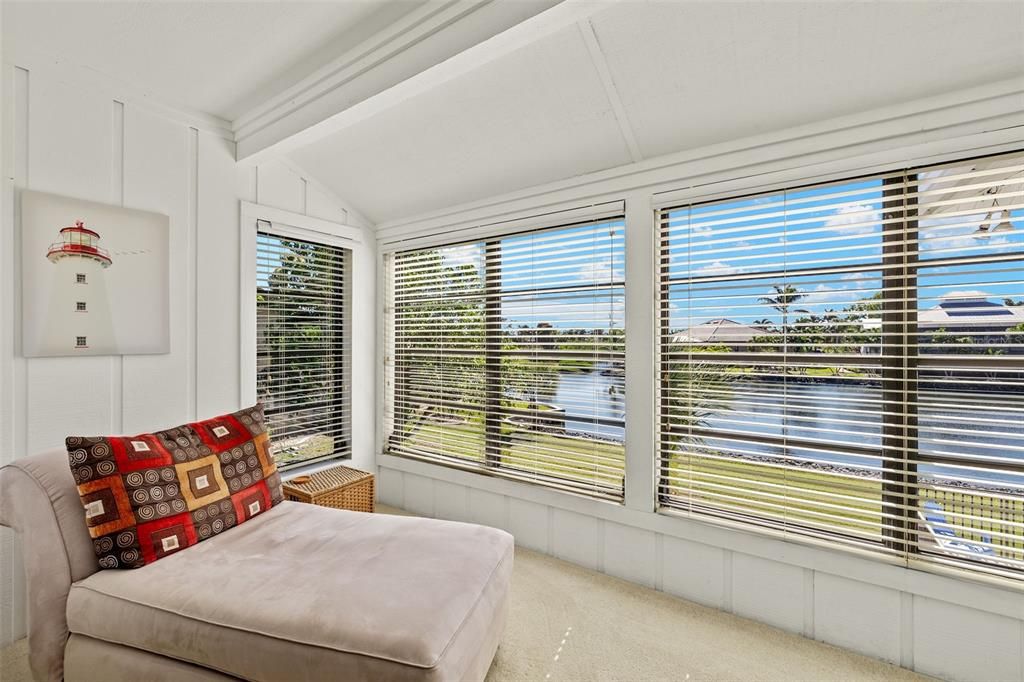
{"points": [[467, 254], [586, 314], [599, 271], [861, 277], [831, 296], [854, 220], [716, 268]]}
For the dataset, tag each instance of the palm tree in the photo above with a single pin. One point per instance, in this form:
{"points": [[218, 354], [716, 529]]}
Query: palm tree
{"points": [[785, 296], [696, 392]]}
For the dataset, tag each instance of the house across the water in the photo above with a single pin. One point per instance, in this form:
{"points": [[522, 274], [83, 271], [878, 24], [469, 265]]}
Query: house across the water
{"points": [[721, 332], [963, 315]]}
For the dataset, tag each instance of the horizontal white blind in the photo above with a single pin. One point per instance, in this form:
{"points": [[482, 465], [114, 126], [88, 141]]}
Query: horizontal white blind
{"points": [[433, 235], [302, 350], [506, 356], [846, 360]]}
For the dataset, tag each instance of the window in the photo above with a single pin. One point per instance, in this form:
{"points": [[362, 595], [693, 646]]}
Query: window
{"points": [[507, 356], [80, 306], [846, 361], [80, 278], [80, 342], [302, 347]]}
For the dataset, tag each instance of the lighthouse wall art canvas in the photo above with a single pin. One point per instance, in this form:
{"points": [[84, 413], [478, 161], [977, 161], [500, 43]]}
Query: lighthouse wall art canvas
{"points": [[95, 278]]}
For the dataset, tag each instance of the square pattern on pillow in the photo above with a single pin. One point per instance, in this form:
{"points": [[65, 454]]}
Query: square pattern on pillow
{"points": [[154, 494]]}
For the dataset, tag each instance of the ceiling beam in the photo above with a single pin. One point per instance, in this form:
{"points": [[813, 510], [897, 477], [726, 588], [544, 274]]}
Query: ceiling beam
{"points": [[429, 47], [601, 65]]}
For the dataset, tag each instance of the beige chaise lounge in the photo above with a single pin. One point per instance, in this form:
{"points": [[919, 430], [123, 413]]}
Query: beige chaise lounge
{"points": [[298, 593]]}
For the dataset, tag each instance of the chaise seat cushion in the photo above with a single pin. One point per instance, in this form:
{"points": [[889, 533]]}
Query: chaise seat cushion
{"points": [[303, 592]]}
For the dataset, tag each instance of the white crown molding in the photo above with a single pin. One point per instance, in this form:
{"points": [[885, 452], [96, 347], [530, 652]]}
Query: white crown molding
{"points": [[421, 22], [388, 69], [528, 221], [86, 78], [912, 132]]}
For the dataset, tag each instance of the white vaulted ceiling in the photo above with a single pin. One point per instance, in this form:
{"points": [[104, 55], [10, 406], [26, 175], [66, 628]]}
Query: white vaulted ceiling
{"points": [[219, 58], [403, 107], [698, 73], [688, 74], [537, 115]]}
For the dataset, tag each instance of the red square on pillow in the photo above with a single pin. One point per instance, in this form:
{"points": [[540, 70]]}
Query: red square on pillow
{"points": [[158, 539], [222, 433], [133, 453], [252, 501], [107, 507]]}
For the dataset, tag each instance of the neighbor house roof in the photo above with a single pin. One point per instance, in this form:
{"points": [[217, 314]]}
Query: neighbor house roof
{"points": [[718, 331], [964, 309], [970, 309]]}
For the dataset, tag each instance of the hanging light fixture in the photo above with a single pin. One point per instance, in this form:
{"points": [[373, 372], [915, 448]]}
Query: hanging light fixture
{"points": [[984, 230], [988, 226], [1004, 225]]}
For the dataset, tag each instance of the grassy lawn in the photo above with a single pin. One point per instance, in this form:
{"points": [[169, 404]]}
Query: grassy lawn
{"points": [[838, 502], [846, 504], [842, 503], [302, 448], [580, 459]]}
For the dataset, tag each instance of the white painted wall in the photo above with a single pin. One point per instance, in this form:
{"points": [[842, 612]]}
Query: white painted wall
{"points": [[281, 186], [933, 624], [96, 141], [939, 624], [101, 145]]}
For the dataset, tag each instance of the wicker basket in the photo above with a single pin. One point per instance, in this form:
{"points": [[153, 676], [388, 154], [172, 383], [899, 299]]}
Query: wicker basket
{"points": [[338, 487]]}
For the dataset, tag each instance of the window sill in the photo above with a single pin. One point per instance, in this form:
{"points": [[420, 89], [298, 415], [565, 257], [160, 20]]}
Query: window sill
{"points": [[995, 595], [306, 468]]}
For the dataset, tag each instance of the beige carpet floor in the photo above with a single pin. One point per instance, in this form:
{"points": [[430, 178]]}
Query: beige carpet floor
{"points": [[568, 623]]}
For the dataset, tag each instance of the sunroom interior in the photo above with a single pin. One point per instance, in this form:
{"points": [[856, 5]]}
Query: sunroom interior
{"points": [[722, 300]]}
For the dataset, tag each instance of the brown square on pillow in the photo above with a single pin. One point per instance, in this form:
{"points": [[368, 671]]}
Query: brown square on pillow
{"points": [[150, 495]]}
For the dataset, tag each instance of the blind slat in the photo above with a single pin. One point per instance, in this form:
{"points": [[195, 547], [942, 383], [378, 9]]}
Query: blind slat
{"points": [[846, 361], [505, 356], [302, 354]]}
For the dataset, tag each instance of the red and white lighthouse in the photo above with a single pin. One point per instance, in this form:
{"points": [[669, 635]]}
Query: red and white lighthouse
{"points": [[79, 317]]}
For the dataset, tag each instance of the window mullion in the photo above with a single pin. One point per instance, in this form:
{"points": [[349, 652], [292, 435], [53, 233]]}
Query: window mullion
{"points": [[492, 354], [899, 369]]}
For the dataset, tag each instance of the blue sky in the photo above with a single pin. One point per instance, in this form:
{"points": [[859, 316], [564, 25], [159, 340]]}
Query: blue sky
{"points": [[837, 225], [833, 225], [558, 259], [266, 265]]}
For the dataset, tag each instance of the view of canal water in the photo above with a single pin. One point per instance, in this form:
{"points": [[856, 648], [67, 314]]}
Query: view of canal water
{"points": [[844, 414]]}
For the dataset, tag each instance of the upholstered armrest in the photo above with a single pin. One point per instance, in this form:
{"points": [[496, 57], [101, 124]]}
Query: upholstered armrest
{"points": [[38, 499]]}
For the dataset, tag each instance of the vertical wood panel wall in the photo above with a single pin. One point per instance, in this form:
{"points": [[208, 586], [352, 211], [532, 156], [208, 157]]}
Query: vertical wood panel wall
{"points": [[79, 141], [914, 628], [63, 136]]}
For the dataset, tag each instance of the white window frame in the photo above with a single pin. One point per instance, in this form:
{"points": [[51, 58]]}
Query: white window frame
{"points": [[952, 126], [256, 218], [587, 216]]}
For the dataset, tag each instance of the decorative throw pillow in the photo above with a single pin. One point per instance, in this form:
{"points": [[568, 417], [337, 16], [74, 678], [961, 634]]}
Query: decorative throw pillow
{"points": [[154, 494]]}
